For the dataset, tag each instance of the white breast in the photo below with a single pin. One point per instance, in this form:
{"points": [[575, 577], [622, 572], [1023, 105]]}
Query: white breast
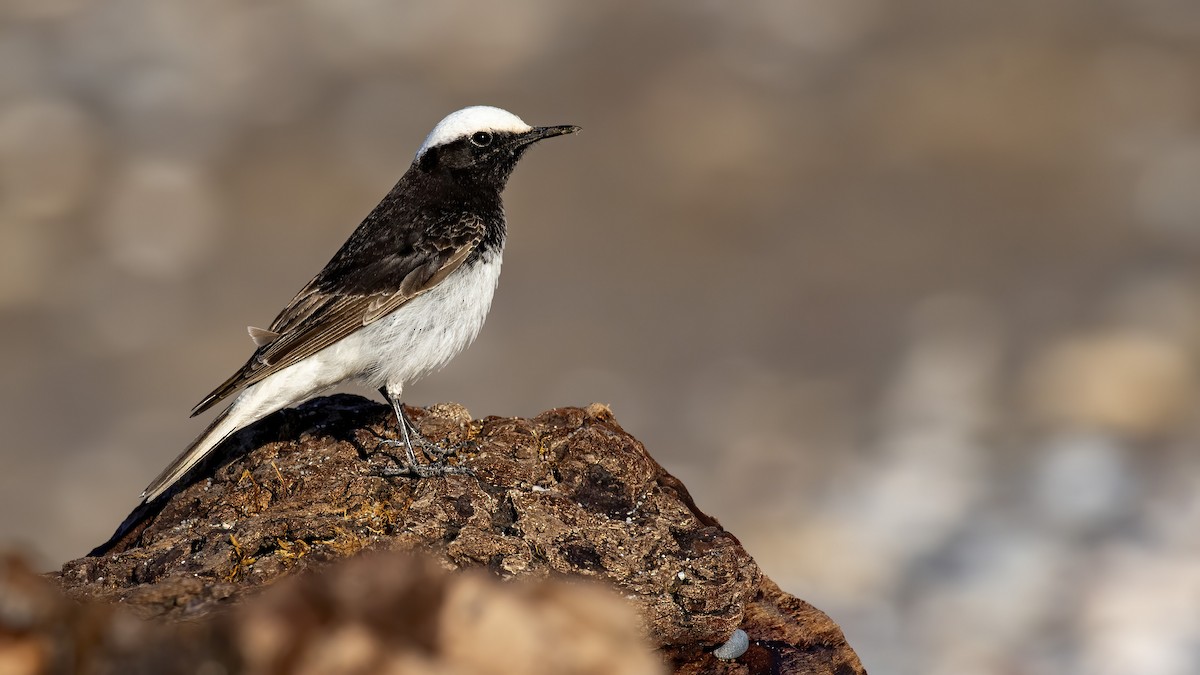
{"points": [[411, 342], [423, 335]]}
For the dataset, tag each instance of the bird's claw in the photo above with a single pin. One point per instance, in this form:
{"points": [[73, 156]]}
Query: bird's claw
{"points": [[409, 466]]}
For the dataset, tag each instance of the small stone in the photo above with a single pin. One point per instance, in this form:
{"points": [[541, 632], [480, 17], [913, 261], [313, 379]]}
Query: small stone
{"points": [[735, 646]]}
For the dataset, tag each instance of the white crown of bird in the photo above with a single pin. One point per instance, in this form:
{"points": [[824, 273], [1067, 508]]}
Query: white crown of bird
{"points": [[461, 123]]}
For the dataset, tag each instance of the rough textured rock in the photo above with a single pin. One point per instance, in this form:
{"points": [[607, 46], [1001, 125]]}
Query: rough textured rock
{"points": [[567, 493]]}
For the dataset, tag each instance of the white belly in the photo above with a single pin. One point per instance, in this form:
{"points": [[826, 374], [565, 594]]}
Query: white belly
{"points": [[411, 342], [423, 335]]}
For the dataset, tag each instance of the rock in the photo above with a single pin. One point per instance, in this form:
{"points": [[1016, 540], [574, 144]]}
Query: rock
{"points": [[566, 494]]}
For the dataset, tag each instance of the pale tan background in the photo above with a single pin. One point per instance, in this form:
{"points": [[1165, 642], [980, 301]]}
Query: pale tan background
{"points": [[905, 292]]}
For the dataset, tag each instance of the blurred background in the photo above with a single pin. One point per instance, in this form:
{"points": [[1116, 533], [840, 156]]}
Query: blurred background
{"points": [[906, 293]]}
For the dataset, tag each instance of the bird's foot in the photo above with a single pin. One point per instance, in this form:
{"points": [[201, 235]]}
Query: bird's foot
{"points": [[411, 438], [409, 466], [431, 448], [435, 450]]}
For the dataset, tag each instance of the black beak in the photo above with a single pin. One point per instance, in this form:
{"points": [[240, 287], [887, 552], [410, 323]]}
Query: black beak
{"points": [[540, 133]]}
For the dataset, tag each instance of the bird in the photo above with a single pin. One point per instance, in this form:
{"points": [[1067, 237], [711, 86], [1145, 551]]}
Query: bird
{"points": [[407, 292]]}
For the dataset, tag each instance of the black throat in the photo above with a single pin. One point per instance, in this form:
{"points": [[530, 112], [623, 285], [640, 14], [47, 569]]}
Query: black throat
{"points": [[430, 209]]}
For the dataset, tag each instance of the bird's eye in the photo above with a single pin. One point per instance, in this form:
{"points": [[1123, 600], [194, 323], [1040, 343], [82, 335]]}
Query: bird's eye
{"points": [[481, 139]]}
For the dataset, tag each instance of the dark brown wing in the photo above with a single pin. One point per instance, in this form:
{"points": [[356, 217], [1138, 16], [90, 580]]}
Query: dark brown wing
{"points": [[320, 315]]}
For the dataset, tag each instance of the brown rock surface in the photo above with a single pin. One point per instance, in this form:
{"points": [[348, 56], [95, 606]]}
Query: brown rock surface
{"points": [[567, 493]]}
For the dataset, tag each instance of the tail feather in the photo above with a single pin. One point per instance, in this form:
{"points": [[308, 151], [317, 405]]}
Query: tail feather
{"points": [[221, 428], [235, 382]]}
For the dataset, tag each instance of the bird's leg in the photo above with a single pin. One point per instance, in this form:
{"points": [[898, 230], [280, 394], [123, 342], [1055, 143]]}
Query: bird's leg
{"points": [[411, 436]]}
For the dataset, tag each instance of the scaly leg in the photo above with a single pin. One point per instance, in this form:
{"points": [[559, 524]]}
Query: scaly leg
{"points": [[411, 437]]}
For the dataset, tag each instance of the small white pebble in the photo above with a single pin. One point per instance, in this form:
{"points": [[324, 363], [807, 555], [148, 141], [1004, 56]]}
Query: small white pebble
{"points": [[539, 488], [681, 576], [735, 646]]}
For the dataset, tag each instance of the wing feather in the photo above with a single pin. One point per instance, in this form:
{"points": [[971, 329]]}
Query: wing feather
{"points": [[318, 317]]}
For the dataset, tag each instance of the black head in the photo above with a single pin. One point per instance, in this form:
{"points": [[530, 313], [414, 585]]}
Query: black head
{"points": [[481, 145]]}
